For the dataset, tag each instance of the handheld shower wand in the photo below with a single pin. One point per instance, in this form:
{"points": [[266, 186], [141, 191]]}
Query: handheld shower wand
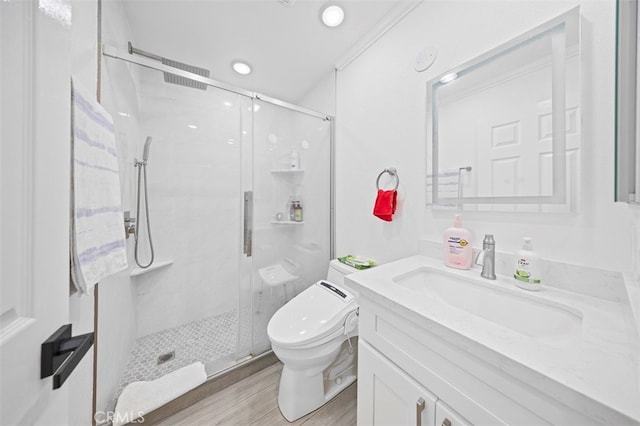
{"points": [[142, 167], [145, 150]]}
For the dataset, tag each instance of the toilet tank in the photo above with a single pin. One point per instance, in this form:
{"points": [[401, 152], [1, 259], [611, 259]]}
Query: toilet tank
{"points": [[337, 272]]}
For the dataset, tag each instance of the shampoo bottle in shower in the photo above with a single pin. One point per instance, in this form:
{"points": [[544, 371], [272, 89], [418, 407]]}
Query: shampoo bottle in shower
{"points": [[297, 211], [458, 249]]}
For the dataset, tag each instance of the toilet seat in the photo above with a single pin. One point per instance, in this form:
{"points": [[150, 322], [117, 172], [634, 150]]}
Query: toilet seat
{"points": [[315, 316]]}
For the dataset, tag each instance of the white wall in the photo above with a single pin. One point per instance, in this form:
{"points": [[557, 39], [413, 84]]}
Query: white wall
{"points": [[381, 107], [322, 97]]}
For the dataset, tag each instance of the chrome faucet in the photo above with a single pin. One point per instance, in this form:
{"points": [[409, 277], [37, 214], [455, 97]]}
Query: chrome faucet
{"points": [[487, 258]]}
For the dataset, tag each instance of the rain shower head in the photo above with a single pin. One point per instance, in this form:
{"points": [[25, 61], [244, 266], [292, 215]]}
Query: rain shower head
{"points": [[173, 78], [184, 81], [145, 151]]}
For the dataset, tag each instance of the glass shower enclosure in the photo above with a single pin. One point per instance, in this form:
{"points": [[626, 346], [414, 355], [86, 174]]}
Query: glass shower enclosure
{"points": [[239, 201]]}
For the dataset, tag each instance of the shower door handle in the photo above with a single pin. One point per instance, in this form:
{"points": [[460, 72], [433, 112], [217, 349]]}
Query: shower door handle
{"points": [[248, 223]]}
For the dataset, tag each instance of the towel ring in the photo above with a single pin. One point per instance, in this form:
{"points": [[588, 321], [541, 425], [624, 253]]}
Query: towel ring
{"points": [[393, 172]]}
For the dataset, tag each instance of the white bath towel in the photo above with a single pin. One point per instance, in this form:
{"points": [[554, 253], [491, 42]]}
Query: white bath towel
{"points": [[98, 246], [140, 398]]}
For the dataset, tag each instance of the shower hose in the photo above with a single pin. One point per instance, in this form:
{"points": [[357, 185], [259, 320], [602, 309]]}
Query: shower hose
{"points": [[142, 173]]}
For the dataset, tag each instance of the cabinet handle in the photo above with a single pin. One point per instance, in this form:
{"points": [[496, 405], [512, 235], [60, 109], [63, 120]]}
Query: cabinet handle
{"points": [[446, 422], [419, 410]]}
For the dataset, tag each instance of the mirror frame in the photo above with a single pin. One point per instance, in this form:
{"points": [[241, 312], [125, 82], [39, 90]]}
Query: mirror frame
{"points": [[627, 178], [558, 103]]}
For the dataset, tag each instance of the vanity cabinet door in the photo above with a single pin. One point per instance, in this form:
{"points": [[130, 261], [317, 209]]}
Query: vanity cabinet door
{"points": [[445, 416], [387, 395]]}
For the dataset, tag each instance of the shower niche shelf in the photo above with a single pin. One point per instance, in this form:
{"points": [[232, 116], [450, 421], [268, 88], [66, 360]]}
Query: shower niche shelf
{"points": [[286, 222], [156, 265], [287, 171]]}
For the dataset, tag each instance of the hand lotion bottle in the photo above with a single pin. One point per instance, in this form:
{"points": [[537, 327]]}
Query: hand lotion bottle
{"points": [[458, 248]]}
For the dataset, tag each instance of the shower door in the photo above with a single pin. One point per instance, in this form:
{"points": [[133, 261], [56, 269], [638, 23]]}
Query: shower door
{"points": [[184, 308], [227, 253], [289, 251]]}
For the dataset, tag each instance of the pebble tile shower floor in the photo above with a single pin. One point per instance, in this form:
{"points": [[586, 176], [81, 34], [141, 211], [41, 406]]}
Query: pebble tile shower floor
{"points": [[204, 340]]}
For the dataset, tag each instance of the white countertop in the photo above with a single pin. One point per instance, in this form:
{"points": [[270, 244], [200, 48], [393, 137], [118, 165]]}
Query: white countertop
{"points": [[601, 363]]}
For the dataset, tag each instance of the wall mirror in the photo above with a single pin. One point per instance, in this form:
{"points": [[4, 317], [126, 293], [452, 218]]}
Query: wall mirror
{"points": [[627, 106], [504, 128]]}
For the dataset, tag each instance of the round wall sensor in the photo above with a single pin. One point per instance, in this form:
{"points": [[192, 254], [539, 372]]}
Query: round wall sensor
{"points": [[425, 58]]}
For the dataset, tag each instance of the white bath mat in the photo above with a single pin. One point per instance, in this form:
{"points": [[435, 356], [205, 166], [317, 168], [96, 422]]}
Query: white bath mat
{"points": [[140, 398]]}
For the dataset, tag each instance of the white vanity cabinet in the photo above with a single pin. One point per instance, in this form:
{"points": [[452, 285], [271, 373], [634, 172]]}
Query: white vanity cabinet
{"points": [[401, 362], [388, 396], [445, 416]]}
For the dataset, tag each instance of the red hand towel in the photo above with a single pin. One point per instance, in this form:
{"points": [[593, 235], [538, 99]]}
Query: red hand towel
{"points": [[385, 205]]}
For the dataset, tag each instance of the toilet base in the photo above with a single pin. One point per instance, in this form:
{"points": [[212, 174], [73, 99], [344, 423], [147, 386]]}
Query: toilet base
{"points": [[294, 405], [301, 392]]}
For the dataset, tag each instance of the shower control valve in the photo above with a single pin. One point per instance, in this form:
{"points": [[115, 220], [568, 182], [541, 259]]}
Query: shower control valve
{"points": [[129, 224]]}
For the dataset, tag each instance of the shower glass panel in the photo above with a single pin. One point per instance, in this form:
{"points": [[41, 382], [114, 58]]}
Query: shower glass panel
{"points": [[186, 305], [290, 248], [239, 201]]}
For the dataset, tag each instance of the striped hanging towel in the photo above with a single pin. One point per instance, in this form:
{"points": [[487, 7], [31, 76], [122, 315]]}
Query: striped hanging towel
{"points": [[98, 247]]}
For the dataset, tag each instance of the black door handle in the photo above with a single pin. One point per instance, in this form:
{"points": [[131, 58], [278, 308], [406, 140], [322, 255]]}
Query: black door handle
{"points": [[61, 353]]}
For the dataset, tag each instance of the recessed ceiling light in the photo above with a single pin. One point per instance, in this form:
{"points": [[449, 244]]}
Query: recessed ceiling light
{"points": [[332, 16], [192, 126], [241, 67], [448, 78]]}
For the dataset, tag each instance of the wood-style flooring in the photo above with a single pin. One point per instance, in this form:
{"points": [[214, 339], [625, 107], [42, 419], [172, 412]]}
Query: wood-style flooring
{"points": [[254, 401]]}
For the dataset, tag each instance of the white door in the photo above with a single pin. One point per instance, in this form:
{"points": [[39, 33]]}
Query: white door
{"points": [[515, 167], [387, 395], [34, 213]]}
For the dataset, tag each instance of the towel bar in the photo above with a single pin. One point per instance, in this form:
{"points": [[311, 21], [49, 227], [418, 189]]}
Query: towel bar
{"points": [[393, 172]]}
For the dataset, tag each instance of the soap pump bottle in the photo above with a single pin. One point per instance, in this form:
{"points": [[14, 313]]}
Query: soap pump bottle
{"points": [[458, 248], [527, 273]]}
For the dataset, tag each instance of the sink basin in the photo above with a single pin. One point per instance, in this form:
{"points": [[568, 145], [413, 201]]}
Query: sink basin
{"points": [[523, 313]]}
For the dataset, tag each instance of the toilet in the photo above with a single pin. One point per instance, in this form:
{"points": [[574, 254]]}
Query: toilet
{"points": [[314, 335]]}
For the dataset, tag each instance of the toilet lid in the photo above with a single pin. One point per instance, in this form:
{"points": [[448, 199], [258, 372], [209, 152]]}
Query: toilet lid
{"points": [[313, 314]]}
